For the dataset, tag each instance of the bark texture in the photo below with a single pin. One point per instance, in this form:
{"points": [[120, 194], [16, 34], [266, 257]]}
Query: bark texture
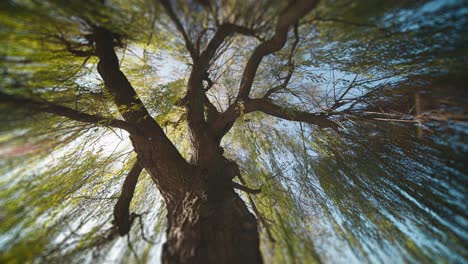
{"points": [[207, 230]]}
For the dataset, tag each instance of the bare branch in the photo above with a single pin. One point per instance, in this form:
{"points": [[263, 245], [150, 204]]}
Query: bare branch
{"points": [[74, 50], [125, 97], [269, 108], [64, 111], [122, 217], [290, 17], [222, 125], [196, 98], [338, 103], [224, 31], [188, 43], [246, 189], [290, 65]]}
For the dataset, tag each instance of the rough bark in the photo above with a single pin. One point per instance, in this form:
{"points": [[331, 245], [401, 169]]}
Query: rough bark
{"points": [[212, 226]]}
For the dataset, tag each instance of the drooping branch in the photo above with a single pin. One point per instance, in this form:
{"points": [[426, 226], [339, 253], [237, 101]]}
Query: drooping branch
{"points": [[260, 217], [346, 22], [43, 106], [74, 48], [122, 217]]}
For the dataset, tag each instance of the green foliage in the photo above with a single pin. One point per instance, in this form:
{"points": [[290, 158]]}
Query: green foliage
{"points": [[373, 192]]}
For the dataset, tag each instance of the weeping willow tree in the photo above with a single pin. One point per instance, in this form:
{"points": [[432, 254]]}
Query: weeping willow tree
{"points": [[233, 131]]}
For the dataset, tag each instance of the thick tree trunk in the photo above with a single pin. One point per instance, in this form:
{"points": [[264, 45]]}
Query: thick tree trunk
{"points": [[207, 220], [212, 228]]}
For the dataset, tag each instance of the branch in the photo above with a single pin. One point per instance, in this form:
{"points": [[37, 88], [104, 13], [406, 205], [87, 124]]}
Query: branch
{"points": [[129, 104], [72, 50], [164, 155], [208, 81], [188, 43], [269, 108], [290, 65], [338, 103], [64, 111], [246, 189], [122, 219], [258, 214], [196, 94], [222, 125], [224, 31], [347, 22], [290, 17]]}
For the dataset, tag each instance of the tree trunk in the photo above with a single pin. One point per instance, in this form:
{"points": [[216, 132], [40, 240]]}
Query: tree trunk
{"points": [[207, 220], [211, 227]]}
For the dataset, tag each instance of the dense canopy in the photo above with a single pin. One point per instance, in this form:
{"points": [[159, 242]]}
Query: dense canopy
{"points": [[347, 120]]}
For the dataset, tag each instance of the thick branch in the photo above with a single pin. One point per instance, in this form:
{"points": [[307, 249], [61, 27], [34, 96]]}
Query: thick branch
{"points": [[269, 108], [59, 110], [122, 219], [133, 111], [290, 17], [196, 97], [222, 125], [128, 102], [246, 189]]}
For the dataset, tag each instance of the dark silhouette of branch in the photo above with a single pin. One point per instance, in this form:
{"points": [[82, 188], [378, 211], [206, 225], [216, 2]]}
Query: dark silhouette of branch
{"points": [[122, 217], [290, 16], [225, 30], [165, 155], [246, 189], [269, 108], [188, 43], [196, 94], [74, 50], [125, 97], [343, 21], [43, 106], [290, 65]]}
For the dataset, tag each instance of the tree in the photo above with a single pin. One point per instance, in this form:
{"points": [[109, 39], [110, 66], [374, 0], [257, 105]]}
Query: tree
{"points": [[327, 85]]}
